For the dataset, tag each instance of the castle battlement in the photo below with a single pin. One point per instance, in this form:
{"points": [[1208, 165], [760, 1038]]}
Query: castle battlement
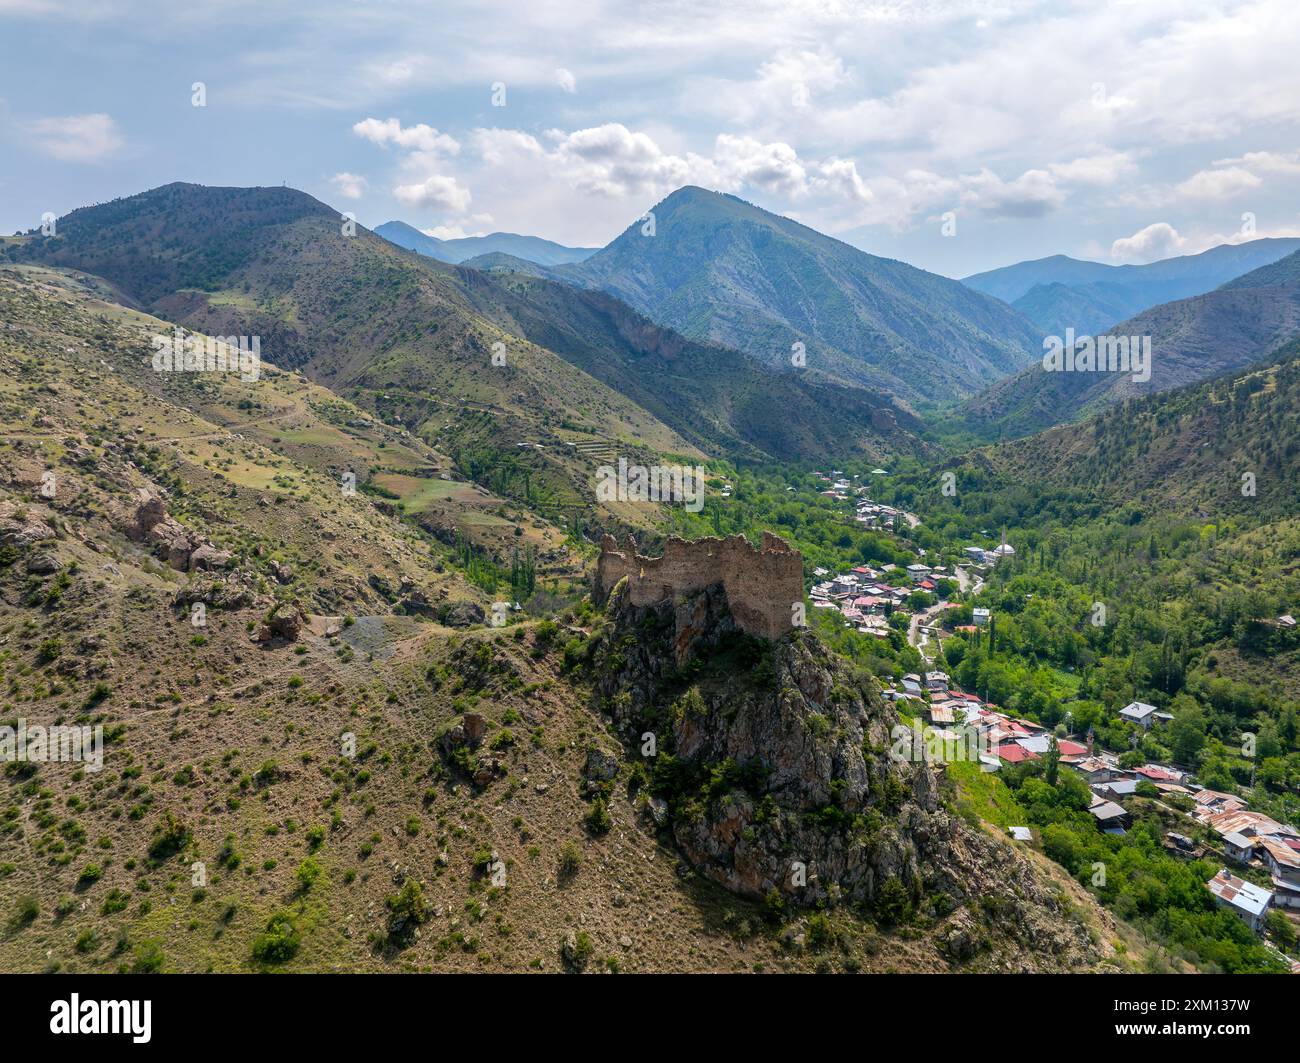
{"points": [[762, 585]]}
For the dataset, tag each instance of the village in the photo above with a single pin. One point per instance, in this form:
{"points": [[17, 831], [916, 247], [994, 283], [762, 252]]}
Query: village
{"points": [[1214, 825]]}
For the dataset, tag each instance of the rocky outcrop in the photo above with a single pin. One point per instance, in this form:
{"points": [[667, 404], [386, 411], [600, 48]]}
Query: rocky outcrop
{"points": [[147, 521], [783, 779], [763, 587], [284, 622], [464, 614], [22, 527]]}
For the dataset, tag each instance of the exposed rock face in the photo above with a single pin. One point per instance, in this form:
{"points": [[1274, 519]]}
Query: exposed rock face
{"points": [[763, 586], [465, 614], [217, 594], [150, 524], [21, 526], [783, 778]]}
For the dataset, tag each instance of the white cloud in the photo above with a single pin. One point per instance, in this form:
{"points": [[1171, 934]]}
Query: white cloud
{"points": [[1266, 162], [1103, 169], [612, 160], [1219, 184], [349, 185], [413, 138], [76, 138], [771, 167], [566, 80], [842, 177], [1156, 241], [497, 146], [436, 192], [1031, 195]]}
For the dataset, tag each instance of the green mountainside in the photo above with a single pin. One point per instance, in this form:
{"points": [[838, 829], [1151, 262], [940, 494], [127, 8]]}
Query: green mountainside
{"points": [[1243, 322], [718, 268]]}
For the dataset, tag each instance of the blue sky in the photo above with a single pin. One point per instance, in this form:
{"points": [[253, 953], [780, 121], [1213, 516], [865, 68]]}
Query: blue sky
{"points": [[1122, 132]]}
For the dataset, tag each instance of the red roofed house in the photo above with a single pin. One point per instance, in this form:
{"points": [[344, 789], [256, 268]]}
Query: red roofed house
{"points": [[1013, 754]]}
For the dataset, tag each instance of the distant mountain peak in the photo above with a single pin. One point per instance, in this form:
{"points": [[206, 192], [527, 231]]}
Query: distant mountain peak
{"points": [[461, 249], [723, 269]]}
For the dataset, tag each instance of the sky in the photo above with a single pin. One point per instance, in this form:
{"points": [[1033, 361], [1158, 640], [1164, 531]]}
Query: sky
{"points": [[952, 134]]}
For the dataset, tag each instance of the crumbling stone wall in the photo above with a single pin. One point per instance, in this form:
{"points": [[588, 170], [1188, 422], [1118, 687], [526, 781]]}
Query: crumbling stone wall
{"points": [[762, 586]]}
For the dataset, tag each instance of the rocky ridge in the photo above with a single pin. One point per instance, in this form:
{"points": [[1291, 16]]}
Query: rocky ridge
{"points": [[774, 776]]}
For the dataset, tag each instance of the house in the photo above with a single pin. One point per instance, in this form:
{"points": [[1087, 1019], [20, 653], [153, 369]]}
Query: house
{"points": [[1213, 802], [936, 680], [975, 553], [912, 684], [1139, 713], [1071, 752], [1021, 834], [918, 572], [1180, 841], [981, 616], [1014, 754], [1249, 901], [1110, 816], [1038, 744], [1282, 858], [1158, 773], [1116, 789], [1097, 770], [1238, 847], [1286, 620], [942, 714]]}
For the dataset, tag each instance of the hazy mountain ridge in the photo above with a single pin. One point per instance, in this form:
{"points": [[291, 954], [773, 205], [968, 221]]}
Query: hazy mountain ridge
{"points": [[460, 249], [1059, 292], [1191, 339]]}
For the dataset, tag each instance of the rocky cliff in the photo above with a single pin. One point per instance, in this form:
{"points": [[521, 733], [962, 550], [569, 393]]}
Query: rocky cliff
{"points": [[772, 771]]}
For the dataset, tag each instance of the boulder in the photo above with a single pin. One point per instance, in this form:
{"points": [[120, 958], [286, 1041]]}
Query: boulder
{"points": [[43, 564], [209, 557], [602, 765], [285, 622]]}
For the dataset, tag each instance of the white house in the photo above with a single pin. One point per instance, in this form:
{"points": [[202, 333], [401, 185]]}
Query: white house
{"points": [[1139, 713], [981, 616], [1249, 901]]}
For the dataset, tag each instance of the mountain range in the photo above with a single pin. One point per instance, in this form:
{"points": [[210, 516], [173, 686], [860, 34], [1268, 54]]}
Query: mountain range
{"points": [[1059, 292], [508, 377], [1240, 323], [459, 249]]}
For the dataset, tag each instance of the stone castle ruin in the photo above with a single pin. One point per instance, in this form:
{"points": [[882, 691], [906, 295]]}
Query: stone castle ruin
{"points": [[762, 586]]}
